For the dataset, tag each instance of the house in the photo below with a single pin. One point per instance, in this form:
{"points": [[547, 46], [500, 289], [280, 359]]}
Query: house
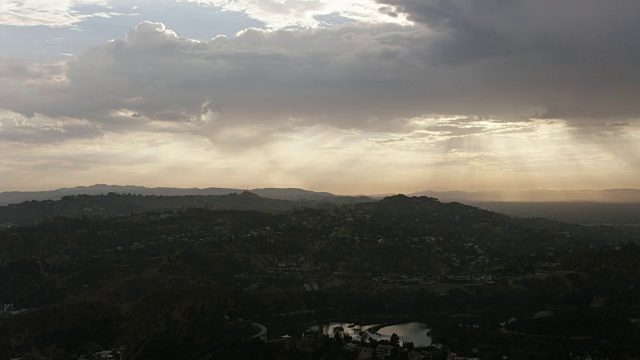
{"points": [[383, 351], [365, 352], [415, 355], [351, 347], [105, 355]]}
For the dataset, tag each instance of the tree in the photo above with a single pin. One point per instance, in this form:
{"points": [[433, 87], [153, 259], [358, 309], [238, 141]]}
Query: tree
{"points": [[364, 335], [338, 334], [395, 339]]}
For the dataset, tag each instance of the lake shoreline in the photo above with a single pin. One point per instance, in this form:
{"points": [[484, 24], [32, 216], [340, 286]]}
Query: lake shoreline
{"points": [[415, 332]]}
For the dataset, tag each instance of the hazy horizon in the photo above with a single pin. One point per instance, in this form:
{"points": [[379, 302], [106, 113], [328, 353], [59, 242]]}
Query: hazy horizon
{"points": [[531, 195], [350, 97], [284, 186]]}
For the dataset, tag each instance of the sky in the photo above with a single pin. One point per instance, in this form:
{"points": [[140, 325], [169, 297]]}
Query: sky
{"points": [[351, 97]]}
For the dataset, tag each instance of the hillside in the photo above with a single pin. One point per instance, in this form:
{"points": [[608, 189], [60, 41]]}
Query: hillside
{"points": [[173, 281], [16, 197], [114, 204]]}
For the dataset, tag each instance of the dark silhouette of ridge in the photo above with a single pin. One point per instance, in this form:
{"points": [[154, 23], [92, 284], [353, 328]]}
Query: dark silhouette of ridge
{"points": [[16, 197]]}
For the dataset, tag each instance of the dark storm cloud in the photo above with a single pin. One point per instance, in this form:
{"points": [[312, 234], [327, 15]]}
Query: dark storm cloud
{"points": [[574, 58]]}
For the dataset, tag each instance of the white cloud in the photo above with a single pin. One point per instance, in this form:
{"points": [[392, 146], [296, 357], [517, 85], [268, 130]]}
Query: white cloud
{"points": [[31, 72], [274, 13], [308, 13], [54, 13], [16, 128]]}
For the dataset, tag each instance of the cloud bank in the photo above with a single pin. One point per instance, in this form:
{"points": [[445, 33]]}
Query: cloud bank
{"points": [[467, 86], [574, 58], [570, 60]]}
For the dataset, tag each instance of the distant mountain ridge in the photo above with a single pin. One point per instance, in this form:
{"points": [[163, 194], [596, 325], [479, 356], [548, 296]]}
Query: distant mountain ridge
{"points": [[16, 197], [294, 194], [605, 196], [114, 204]]}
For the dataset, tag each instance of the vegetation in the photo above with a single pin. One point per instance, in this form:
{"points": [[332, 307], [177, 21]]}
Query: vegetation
{"points": [[188, 282]]}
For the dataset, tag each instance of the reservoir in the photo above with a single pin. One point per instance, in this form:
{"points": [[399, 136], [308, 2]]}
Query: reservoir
{"points": [[415, 332]]}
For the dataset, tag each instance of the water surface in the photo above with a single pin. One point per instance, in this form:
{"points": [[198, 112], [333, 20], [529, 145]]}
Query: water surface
{"points": [[415, 332]]}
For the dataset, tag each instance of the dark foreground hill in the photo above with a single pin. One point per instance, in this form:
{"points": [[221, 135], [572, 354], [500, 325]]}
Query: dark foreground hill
{"points": [[185, 283]]}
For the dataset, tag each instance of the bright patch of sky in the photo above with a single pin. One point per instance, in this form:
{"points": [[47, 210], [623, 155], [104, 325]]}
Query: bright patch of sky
{"points": [[531, 154], [309, 13], [53, 13], [57, 30]]}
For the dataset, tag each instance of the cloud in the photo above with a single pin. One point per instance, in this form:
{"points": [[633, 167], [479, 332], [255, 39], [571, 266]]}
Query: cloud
{"points": [[307, 13], [331, 95], [274, 14], [269, 81], [351, 76], [39, 129], [29, 72], [52, 13], [573, 58]]}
